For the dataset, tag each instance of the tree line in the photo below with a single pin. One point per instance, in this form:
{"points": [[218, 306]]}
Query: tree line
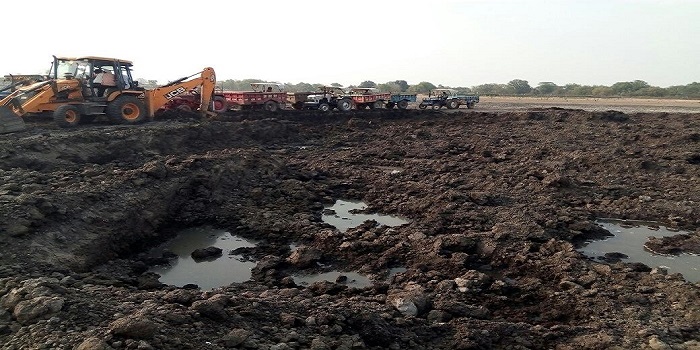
{"points": [[515, 87]]}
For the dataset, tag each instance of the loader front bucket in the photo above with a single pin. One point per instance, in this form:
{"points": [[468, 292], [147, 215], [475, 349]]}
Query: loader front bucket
{"points": [[9, 121]]}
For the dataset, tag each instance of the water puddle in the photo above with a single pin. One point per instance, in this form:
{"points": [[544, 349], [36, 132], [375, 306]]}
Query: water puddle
{"points": [[342, 215], [350, 279], [629, 239], [209, 273]]}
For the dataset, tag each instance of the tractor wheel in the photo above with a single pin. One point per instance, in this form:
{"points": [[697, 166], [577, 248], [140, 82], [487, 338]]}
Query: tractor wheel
{"points": [[344, 105], [324, 107], [403, 104], [219, 104], [422, 106], [270, 106], [127, 109], [438, 106], [66, 116], [377, 105], [452, 104]]}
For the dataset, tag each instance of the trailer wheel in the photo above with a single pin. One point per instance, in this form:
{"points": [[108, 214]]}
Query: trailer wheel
{"points": [[127, 109], [377, 105], [344, 105], [422, 106], [324, 107], [184, 108], [219, 104], [452, 104], [270, 106], [403, 104], [66, 116]]}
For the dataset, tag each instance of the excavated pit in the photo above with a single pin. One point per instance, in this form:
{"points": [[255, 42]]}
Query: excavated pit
{"points": [[495, 204]]}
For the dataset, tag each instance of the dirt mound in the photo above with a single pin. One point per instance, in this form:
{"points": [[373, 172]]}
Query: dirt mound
{"points": [[496, 203]]}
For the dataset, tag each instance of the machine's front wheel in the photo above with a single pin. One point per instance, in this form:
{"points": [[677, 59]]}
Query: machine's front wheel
{"points": [[66, 116], [324, 107]]}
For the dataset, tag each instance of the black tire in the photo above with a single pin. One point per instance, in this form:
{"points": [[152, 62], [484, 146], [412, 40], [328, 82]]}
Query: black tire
{"points": [[66, 116], [219, 104], [344, 105], [422, 106], [270, 106], [437, 106], [403, 104], [452, 104], [127, 109], [324, 107], [377, 105]]}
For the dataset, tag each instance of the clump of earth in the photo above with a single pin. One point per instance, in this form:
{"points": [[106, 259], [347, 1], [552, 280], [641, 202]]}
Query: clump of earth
{"points": [[497, 204]]}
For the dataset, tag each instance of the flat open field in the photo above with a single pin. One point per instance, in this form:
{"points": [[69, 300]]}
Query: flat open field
{"points": [[625, 105]]}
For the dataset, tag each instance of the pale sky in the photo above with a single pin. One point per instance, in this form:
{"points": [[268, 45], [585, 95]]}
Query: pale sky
{"points": [[449, 42]]}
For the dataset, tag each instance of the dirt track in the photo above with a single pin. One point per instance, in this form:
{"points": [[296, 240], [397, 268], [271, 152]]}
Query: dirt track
{"points": [[498, 197]]}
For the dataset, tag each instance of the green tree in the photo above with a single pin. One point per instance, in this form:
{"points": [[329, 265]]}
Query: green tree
{"points": [[389, 87], [628, 88], [546, 87], [367, 84], [421, 88], [520, 86], [402, 84]]}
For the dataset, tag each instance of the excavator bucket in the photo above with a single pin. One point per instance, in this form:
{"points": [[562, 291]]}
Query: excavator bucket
{"points": [[9, 121]]}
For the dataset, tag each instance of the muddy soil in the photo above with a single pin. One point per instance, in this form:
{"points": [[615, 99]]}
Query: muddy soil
{"points": [[497, 203]]}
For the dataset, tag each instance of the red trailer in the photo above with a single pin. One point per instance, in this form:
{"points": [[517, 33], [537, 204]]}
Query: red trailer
{"points": [[267, 96], [368, 97]]}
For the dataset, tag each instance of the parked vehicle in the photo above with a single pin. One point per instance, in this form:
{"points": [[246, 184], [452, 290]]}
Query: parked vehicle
{"points": [[400, 100], [329, 97], [267, 96], [438, 98], [69, 94], [368, 98]]}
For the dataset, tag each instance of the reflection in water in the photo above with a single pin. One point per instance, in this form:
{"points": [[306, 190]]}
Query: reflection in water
{"points": [[351, 279], [342, 219], [206, 274], [629, 239]]}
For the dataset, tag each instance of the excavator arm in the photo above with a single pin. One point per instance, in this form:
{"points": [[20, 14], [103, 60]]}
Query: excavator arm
{"points": [[205, 84]]}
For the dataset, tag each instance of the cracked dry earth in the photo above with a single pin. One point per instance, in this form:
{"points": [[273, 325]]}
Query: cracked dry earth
{"points": [[497, 201]]}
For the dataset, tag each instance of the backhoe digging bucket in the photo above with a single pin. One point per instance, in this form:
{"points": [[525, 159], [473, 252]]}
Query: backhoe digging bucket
{"points": [[9, 121]]}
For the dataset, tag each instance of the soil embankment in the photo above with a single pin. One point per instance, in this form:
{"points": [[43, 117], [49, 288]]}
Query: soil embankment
{"points": [[497, 201]]}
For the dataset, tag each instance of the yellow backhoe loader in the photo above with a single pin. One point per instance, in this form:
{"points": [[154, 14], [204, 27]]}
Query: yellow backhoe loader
{"points": [[70, 94]]}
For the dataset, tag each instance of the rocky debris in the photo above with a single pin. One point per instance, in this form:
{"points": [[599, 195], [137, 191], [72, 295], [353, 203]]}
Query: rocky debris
{"points": [[207, 253], [496, 202]]}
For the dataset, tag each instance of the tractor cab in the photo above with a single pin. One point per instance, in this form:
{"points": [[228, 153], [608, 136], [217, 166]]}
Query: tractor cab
{"points": [[85, 70]]}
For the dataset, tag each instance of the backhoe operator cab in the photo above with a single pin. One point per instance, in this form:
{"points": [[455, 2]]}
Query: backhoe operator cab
{"points": [[70, 95]]}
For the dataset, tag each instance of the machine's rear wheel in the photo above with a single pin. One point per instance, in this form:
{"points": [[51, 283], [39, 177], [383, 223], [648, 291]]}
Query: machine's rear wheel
{"points": [[344, 105], [270, 106], [403, 104], [66, 116], [127, 109]]}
